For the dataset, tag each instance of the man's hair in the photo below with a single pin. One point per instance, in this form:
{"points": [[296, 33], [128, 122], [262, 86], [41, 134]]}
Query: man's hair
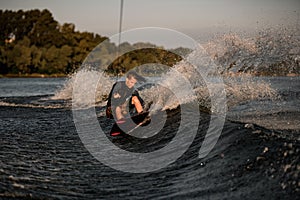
{"points": [[135, 75]]}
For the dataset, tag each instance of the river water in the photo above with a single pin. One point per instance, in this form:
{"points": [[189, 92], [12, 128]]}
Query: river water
{"points": [[43, 155]]}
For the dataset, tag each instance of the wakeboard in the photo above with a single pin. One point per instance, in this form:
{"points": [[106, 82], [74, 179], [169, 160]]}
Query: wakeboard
{"points": [[126, 125]]}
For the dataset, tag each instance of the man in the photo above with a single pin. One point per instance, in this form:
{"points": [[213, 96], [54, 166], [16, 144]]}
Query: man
{"points": [[123, 99]]}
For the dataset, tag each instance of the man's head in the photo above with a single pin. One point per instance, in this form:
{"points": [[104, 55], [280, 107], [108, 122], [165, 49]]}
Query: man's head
{"points": [[132, 77], [130, 81]]}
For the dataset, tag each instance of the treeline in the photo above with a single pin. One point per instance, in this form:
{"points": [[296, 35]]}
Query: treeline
{"points": [[34, 42], [146, 61]]}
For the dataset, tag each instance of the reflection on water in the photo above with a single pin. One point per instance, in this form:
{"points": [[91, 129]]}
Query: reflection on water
{"points": [[20, 87]]}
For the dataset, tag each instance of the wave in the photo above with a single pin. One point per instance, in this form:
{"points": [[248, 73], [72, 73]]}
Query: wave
{"points": [[237, 90], [271, 51], [85, 79]]}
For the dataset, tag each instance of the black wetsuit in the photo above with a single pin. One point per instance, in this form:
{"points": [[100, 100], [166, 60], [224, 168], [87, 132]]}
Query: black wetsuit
{"points": [[126, 94]]}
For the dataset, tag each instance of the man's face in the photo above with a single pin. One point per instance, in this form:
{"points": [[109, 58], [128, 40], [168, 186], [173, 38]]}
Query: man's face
{"points": [[130, 82]]}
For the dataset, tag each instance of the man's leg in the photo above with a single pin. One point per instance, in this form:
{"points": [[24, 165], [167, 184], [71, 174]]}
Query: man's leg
{"points": [[136, 102], [119, 113]]}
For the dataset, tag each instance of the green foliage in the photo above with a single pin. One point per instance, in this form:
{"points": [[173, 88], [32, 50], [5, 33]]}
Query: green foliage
{"points": [[144, 56], [33, 42]]}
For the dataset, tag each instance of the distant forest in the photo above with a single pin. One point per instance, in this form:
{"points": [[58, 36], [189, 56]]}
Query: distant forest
{"points": [[33, 42]]}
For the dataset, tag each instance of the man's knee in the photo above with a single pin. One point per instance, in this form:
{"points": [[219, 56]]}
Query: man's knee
{"points": [[137, 104], [135, 100]]}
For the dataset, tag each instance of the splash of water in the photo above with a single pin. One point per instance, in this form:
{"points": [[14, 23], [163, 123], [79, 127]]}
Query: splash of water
{"points": [[231, 53], [170, 91], [272, 51], [86, 78]]}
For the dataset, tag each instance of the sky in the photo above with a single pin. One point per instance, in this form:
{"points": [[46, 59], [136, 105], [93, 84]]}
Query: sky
{"points": [[191, 17]]}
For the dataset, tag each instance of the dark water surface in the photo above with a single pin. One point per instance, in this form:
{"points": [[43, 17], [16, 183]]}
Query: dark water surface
{"points": [[42, 157], [12, 87]]}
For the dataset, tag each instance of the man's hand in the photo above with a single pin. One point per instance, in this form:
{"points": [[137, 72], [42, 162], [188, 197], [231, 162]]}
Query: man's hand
{"points": [[116, 95]]}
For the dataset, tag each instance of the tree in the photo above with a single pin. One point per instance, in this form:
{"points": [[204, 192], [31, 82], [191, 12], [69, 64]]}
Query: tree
{"points": [[64, 60], [36, 58]]}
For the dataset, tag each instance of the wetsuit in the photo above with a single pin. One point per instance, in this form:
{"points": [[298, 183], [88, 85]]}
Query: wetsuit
{"points": [[126, 95]]}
